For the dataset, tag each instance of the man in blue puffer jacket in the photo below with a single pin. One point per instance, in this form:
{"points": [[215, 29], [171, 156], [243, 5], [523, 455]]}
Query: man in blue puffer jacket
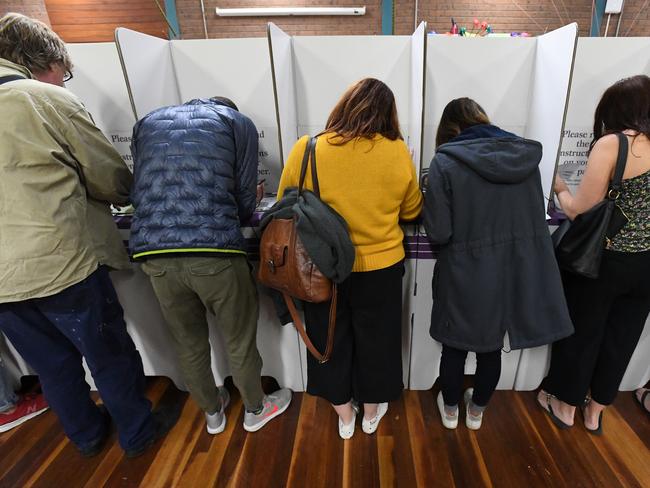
{"points": [[195, 171]]}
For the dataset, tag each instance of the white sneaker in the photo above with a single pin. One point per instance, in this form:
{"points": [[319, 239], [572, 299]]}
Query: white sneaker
{"points": [[472, 422], [216, 422], [370, 426], [449, 421], [347, 430]]}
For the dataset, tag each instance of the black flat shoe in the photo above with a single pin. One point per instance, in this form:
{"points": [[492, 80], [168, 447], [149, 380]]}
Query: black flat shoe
{"points": [[641, 401], [598, 430], [556, 420]]}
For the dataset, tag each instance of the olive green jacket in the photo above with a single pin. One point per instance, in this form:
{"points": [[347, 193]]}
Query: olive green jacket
{"points": [[58, 174]]}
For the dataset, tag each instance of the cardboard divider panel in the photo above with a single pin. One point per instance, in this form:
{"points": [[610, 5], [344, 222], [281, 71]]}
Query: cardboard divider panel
{"points": [[99, 82], [325, 67], [281, 49], [554, 57], [149, 70], [238, 69]]}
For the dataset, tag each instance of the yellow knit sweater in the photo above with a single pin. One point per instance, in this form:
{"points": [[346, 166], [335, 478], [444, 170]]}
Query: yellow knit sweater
{"points": [[372, 185]]}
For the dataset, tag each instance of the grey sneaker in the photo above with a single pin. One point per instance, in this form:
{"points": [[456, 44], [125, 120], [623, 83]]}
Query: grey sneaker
{"points": [[216, 422], [274, 404]]}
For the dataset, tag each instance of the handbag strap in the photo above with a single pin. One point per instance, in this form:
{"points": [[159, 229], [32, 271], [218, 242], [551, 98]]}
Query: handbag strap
{"points": [[621, 160], [8, 78], [310, 150], [331, 327]]}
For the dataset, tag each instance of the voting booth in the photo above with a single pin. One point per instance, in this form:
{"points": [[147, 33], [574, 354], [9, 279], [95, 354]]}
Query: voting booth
{"points": [[542, 88], [160, 73], [312, 73], [523, 85], [599, 62]]}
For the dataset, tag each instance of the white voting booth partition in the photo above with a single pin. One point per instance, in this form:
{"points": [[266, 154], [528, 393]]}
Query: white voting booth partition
{"points": [[148, 69], [599, 62], [549, 96], [99, 82], [282, 65], [312, 73], [516, 81], [238, 69]]}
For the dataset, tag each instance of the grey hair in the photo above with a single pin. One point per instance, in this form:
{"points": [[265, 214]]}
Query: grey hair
{"points": [[31, 43]]}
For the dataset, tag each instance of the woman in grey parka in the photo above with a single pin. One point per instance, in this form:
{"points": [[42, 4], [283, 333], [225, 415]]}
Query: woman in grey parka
{"points": [[496, 271]]}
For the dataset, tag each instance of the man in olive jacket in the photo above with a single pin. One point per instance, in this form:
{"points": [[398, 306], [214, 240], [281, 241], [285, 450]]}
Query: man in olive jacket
{"points": [[58, 175]]}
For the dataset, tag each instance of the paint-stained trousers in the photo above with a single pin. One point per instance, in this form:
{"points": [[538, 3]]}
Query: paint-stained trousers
{"points": [[83, 321]]}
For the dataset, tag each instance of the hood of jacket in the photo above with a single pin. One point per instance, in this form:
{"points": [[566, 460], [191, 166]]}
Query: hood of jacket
{"points": [[494, 154]]}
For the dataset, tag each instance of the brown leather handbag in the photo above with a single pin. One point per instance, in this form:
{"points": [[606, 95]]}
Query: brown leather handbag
{"points": [[286, 266]]}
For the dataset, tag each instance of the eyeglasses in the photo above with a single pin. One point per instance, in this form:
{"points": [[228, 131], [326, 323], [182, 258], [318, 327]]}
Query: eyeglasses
{"points": [[67, 76]]}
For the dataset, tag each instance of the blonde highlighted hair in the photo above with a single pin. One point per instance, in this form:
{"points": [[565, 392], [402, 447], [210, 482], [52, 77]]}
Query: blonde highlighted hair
{"points": [[32, 44]]}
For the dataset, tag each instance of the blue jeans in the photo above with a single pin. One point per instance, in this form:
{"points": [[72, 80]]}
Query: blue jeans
{"points": [[8, 398], [85, 320]]}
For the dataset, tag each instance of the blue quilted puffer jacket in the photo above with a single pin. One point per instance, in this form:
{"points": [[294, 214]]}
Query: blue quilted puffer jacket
{"points": [[195, 174]]}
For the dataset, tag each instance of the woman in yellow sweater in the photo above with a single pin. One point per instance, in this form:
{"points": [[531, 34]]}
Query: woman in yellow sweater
{"points": [[366, 174]]}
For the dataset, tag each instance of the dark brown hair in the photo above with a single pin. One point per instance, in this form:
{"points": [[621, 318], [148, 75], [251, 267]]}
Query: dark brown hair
{"points": [[458, 115], [367, 108], [32, 44], [225, 101], [624, 105]]}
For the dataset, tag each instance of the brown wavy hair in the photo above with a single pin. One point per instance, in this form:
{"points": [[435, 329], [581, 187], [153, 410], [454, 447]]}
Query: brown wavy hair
{"points": [[367, 108], [458, 115], [32, 44], [624, 105]]}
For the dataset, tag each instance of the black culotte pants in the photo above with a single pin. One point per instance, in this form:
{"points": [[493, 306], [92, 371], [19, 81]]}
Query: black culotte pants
{"points": [[608, 314], [366, 361]]}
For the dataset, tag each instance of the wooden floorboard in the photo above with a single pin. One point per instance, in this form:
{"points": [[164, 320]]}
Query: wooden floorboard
{"points": [[518, 446]]}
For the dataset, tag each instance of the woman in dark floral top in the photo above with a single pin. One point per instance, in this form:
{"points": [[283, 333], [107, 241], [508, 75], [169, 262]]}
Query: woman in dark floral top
{"points": [[609, 312]]}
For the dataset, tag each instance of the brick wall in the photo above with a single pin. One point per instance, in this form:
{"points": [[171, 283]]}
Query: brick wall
{"points": [[31, 8], [77, 21], [189, 16], [96, 20], [532, 16], [635, 20]]}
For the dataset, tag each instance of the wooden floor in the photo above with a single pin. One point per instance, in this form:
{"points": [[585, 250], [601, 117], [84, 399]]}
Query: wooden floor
{"points": [[517, 447]]}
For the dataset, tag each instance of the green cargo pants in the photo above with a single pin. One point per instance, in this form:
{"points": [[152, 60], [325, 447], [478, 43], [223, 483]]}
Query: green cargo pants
{"points": [[223, 285]]}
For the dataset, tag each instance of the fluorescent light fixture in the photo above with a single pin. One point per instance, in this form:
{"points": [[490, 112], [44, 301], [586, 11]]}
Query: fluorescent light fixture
{"points": [[286, 11]]}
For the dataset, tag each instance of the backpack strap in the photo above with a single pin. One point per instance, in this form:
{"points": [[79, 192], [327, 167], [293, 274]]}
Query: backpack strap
{"points": [[309, 149], [314, 174], [8, 78]]}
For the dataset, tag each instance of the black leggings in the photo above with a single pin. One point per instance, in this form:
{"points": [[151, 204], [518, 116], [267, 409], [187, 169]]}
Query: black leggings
{"points": [[452, 370]]}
